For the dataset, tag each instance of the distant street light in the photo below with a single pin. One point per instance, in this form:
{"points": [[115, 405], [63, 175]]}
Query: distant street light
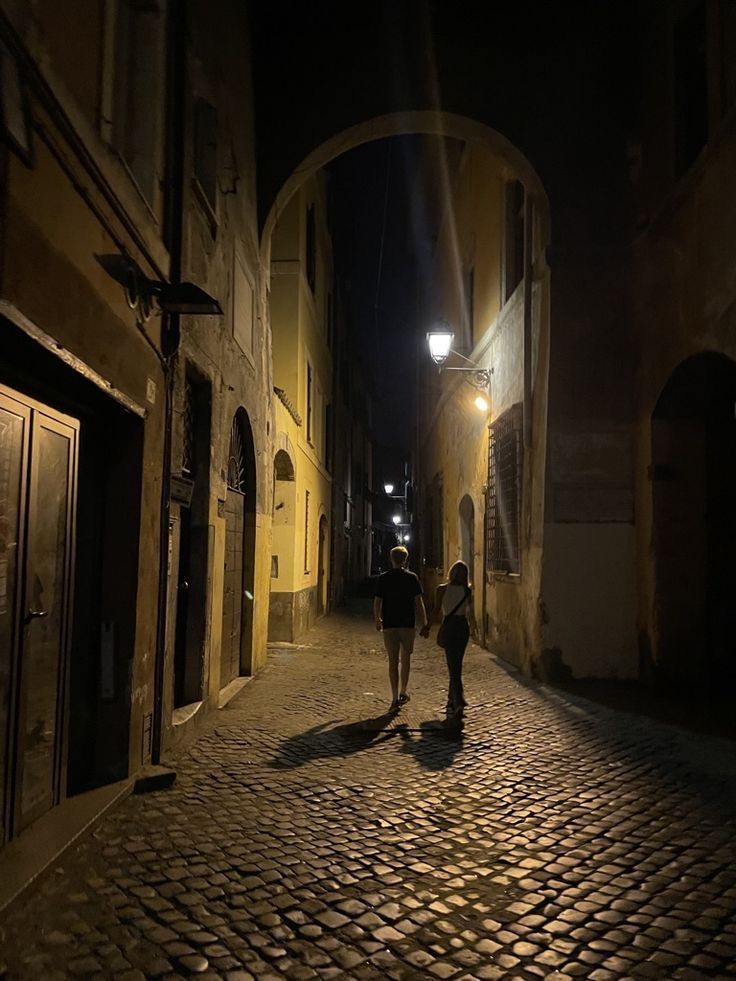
{"points": [[396, 519], [407, 537], [389, 488]]}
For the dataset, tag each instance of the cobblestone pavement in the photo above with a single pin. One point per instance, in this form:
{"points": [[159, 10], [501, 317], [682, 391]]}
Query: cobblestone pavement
{"points": [[309, 837]]}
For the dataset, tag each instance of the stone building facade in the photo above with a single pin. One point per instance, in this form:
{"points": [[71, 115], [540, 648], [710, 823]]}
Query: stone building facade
{"points": [[481, 473], [136, 440], [302, 311], [623, 121]]}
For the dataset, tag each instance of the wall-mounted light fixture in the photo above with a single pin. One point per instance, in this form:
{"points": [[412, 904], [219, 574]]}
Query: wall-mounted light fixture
{"points": [[173, 298], [388, 488], [440, 347]]}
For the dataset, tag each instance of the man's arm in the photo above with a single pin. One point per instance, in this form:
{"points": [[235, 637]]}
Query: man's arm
{"points": [[377, 609]]}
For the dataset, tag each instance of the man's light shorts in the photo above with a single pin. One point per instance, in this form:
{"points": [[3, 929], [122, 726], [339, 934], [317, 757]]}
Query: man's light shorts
{"points": [[395, 638]]}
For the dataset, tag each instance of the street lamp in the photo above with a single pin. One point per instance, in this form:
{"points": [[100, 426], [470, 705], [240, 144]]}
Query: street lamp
{"points": [[396, 519], [440, 345], [389, 488]]}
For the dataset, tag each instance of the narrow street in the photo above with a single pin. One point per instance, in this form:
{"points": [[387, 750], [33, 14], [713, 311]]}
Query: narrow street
{"points": [[306, 836]]}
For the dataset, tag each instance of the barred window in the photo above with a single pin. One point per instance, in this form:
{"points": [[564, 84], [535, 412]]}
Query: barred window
{"points": [[503, 512]]}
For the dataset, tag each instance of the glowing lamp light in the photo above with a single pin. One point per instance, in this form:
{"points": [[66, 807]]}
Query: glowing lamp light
{"points": [[396, 519], [389, 488], [481, 403], [407, 537], [440, 344]]}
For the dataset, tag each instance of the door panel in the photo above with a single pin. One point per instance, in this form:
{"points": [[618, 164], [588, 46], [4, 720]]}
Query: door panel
{"points": [[232, 607], [14, 432], [38, 460], [43, 679]]}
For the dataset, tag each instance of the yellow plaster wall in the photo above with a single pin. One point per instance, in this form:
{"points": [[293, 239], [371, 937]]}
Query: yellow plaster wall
{"points": [[298, 321], [455, 442]]}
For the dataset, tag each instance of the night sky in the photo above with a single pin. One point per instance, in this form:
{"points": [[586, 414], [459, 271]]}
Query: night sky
{"points": [[381, 241]]}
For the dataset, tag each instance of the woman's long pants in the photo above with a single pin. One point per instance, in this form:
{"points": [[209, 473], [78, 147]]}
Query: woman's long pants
{"points": [[457, 634]]}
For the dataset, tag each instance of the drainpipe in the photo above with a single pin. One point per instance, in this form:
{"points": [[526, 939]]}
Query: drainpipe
{"points": [[173, 230]]}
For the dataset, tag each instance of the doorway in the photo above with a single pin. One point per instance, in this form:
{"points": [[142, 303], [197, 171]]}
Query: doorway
{"points": [[238, 592], [191, 580], [38, 486], [694, 524]]}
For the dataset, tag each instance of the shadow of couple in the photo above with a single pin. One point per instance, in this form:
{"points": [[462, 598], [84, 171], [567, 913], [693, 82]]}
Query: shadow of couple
{"points": [[434, 743]]}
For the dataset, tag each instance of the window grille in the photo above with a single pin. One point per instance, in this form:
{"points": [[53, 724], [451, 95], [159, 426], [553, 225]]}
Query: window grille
{"points": [[236, 459], [503, 510]]}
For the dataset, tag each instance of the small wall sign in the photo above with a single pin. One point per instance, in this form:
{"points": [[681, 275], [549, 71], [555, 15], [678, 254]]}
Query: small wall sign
{"points": [[181, 489]]}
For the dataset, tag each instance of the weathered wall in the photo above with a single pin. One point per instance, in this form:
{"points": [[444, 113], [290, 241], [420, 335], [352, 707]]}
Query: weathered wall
{"points": [[292, 614], [230, 354], [454, 433], [685, 274], [77, 201], [299, 321]]}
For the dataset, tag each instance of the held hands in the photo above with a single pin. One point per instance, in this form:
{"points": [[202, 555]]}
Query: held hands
{"points": [[379, 625], [424, 632]]}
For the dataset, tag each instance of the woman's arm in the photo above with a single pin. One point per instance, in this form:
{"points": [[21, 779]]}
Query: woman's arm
{"points": [[438, 597]]}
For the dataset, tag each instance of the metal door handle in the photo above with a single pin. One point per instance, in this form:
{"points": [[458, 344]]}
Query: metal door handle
{"points": [[36, 615]]}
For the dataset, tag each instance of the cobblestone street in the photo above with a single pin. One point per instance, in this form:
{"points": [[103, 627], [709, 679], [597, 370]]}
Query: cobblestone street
{"points": [[309, 836]]}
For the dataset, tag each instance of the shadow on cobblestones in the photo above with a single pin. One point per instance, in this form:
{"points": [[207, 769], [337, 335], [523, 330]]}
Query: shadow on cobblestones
{"points": [[432, 743], [308, 836]]}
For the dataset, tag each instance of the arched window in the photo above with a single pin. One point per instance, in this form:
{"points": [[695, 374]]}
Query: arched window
{"points": [[282, 466], [236, 469]]}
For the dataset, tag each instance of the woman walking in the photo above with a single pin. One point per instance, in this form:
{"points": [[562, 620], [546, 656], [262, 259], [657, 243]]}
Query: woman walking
{"points": [[454, 600]]}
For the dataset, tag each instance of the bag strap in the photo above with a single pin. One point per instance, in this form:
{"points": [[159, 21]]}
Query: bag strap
{"points": [[454, 610]]}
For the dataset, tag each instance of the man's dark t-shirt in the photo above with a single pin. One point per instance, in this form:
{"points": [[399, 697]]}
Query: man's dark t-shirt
{"points": [[397, 588]]}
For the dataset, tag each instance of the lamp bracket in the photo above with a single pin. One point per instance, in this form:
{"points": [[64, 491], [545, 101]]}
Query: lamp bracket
{"points": [[480, 378]]}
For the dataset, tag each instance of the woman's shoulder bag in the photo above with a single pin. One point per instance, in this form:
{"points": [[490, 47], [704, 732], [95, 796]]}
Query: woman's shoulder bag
{"points": [[453, 611]]}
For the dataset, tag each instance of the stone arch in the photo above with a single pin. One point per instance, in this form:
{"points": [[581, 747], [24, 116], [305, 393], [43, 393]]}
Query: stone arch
{"points": [[236, 649], [420, 122], [693, 481]]}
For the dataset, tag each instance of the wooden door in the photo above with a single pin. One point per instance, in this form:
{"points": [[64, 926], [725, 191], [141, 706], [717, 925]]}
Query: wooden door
{"points": [[38, 449]]}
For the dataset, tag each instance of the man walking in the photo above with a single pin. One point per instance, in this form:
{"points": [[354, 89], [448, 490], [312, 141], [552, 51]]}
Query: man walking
{"points": [[397, 602]]}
